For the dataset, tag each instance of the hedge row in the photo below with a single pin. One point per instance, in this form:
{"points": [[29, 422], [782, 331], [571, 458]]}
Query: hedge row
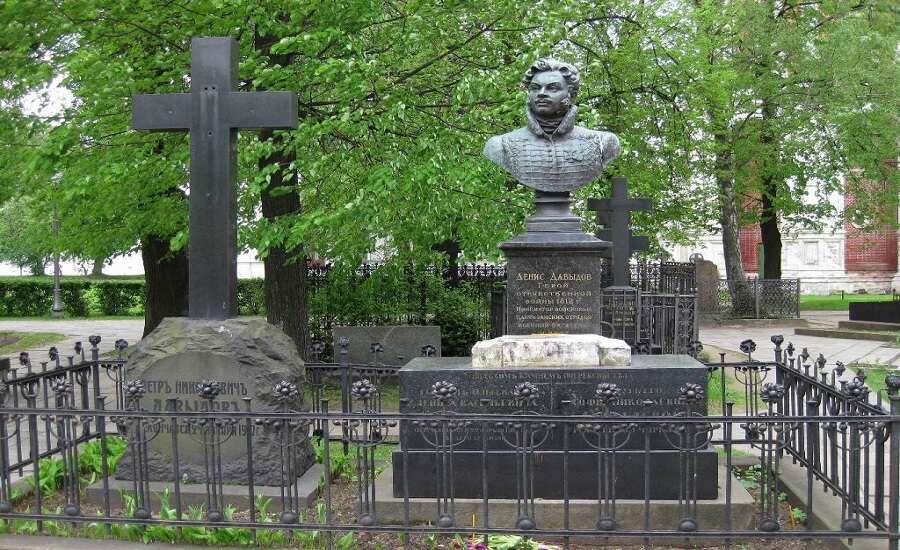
{"points": [[383, 297], [28, 298], [33, 297]]}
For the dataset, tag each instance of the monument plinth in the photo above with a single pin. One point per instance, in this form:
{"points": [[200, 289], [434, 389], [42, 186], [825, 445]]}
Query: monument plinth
{"points": [[649, 386], [550, 350]]}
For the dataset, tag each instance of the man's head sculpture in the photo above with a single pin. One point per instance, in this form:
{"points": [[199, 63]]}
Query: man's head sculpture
{"points": [[551, 154], [552, 86]]}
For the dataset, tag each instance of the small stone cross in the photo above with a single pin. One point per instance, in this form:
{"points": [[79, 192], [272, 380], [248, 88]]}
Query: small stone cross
{"points": [[212, 112], [614, 214]]}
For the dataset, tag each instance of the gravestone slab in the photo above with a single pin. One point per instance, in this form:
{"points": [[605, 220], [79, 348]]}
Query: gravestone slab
{"points": [[247, 357], [401, 342], [707, 286], [553, 290]]}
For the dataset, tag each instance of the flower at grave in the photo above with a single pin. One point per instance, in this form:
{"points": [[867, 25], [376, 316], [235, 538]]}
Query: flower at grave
{"points": [[363, 389], [94, 340], [607, 392], [771, 393], [285, 391], [526, 391], [134, 389], [443, 391], [690, 393], [855, 389], [695, 347], [428, 350], [376, 347], [23, 358], [53, 353], [121, 344], [777, 339], [208, 389], [790, 348], [60, 386], [748, 346], [839, 368]]}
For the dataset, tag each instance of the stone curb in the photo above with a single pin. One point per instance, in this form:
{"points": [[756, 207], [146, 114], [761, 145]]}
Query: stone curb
{"points": [[826, 512], [845, 334]]}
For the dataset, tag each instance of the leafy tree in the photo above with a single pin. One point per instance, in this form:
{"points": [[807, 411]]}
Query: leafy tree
{"points": [[396, 101], [20, 237]]}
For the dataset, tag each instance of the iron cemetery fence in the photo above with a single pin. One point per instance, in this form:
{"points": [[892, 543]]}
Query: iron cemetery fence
{"points": [[790, 410], [754, 299], [659, 313]]}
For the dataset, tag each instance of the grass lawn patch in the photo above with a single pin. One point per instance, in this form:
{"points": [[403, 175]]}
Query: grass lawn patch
{"points": [[21, 341], [838, 302]]}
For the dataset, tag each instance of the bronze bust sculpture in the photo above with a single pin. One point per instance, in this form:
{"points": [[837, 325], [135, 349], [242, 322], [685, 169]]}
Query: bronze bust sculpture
{"points": [[551, 154]]}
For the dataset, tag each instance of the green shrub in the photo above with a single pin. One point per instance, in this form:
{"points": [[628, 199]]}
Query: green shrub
{"points": [[251, 296], [74, 297], [25, 298], [120, 298]]}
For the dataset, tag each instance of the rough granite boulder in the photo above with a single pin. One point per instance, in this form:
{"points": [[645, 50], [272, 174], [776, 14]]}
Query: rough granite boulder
{"points": [[247, 357]]}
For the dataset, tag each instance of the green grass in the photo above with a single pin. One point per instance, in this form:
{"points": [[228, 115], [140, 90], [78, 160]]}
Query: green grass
{"points": [[734, 392], [28, 340], [67, 317], [835, 302]]}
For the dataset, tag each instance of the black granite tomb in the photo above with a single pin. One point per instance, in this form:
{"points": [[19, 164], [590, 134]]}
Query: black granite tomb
{"points": [[878, 312], [650, 387]]}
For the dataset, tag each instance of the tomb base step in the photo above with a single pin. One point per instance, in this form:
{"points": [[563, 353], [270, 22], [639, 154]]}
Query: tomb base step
{"points": [[664, 467]]}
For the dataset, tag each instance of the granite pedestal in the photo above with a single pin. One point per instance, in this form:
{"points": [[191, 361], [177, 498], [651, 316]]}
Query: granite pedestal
{"points": [[650, 387]]}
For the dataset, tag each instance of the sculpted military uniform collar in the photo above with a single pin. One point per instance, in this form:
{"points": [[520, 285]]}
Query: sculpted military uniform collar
{"points": [[565, 125]]}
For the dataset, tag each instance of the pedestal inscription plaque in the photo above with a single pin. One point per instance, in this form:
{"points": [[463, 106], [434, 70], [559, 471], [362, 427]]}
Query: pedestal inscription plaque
{"points": [[553, 292]]}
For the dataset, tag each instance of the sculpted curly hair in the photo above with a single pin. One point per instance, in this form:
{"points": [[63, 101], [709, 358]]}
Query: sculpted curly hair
{"points": [[567, 70]]}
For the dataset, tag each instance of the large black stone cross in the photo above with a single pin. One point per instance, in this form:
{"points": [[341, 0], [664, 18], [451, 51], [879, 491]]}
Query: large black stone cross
{"points": [[614, 214], [212, 112]]}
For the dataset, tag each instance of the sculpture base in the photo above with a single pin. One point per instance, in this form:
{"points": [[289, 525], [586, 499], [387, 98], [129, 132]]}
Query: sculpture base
{"points": [[553, 350]]}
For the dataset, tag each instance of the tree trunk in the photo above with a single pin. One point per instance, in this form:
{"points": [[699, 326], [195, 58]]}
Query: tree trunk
{"points": [[165, 281], [768, 224], [729, 219], [97, 268], [285, 282]]}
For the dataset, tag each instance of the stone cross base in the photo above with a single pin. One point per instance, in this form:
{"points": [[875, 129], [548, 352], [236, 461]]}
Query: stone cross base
{"points": [[247, 357], [551, 350]]}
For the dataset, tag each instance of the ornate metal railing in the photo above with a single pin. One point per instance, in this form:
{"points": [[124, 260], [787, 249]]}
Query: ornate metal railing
{"points": [[847, 457], [753, 299], [789, 409]]}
